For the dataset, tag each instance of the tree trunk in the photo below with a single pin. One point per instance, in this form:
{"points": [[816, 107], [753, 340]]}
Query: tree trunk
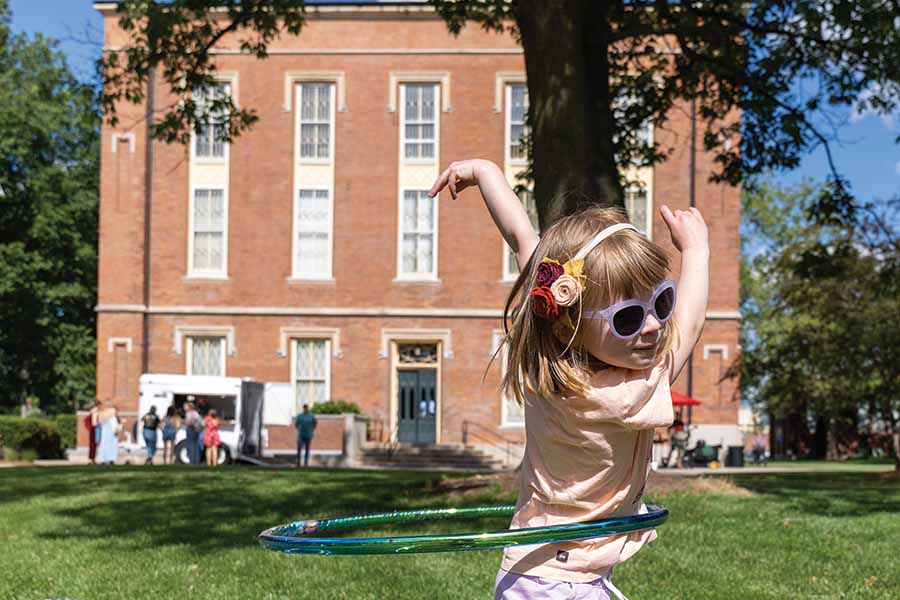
{"points": [[566, 46]]}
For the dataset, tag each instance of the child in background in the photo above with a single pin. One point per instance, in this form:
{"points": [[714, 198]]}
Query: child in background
{"points": [[594, 338]]}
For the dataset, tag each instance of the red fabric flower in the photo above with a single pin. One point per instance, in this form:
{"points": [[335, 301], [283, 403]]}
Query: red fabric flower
{"points": [[543, 304], [547, 273]]}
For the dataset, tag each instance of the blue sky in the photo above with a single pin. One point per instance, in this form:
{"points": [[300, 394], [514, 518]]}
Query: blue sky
{"points": [[867, 155]]}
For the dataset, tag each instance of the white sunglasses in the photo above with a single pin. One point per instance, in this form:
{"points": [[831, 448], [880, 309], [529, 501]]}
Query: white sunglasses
{"points": [[626, 319]]}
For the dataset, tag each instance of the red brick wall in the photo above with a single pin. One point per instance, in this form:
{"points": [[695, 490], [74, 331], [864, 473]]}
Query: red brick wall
{"points": [[329, 435], [365, 227]]}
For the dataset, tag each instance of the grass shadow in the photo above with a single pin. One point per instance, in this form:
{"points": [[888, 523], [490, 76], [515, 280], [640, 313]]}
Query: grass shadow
{"points": [[210, 510], [828, 494]]}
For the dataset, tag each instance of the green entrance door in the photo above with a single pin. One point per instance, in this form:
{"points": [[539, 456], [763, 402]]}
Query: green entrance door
{"points": [[417, 405]]}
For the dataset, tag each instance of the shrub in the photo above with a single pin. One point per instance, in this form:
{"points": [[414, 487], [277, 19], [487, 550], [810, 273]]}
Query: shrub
{"points": [[335, 408], [65, 426], [31, 433]]}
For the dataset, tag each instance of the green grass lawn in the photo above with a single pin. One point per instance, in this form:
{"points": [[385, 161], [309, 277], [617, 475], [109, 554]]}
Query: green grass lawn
{"points": [[132, 532], [867, 465]]}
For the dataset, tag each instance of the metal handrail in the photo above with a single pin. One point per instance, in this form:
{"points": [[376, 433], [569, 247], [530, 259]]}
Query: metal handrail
{"points": [[507, 442]]}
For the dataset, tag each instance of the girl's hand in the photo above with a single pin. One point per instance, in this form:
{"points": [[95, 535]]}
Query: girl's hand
{"points": [[458, 176], [687, 228]]}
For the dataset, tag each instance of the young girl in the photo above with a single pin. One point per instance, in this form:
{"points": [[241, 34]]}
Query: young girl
{"points": [[211, 438], [595, 339]]}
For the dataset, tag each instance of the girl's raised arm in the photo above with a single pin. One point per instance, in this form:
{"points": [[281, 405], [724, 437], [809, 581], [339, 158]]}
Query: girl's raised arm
{"points": [[502, 202], [690, 236]]}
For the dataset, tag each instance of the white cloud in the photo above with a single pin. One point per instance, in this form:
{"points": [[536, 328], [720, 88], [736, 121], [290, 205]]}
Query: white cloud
{"points": [[863, 109]]}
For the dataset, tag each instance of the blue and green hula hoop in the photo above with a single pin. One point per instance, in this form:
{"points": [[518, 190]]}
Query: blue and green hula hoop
{"points": [[298, 537]]}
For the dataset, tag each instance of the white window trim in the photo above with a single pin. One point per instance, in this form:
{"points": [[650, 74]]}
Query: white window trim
{"points": [[507, 126], [183, 331], [327, 275], [298, 123], [193, 273], [286, 334], [501, 80], [505, 423], [230, 81], [122, 137], [648, 225], [292, 78], [444, 336], [112, 342], [509, 276], [396, 78], [437, 129], [710, 348], [427, 277], [328, 355], [188, 354]]}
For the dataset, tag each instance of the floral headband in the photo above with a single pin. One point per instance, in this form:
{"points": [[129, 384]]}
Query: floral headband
{"points": [[561, 285]]}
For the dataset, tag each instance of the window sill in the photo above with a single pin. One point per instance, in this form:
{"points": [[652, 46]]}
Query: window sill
{"points": [[205, 278], [210, 161], [409, 280], [311, 280], [307, 161], [511, 427]]}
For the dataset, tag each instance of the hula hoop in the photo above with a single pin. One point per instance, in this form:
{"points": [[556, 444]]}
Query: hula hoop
{"points": [[294, 538]]}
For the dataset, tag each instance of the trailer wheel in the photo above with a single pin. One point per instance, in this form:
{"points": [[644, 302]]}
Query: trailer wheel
{"points": [[181, 453]]}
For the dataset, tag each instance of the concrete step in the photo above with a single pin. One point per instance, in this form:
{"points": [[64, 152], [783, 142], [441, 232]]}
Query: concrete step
{"points": [[424, 456]]}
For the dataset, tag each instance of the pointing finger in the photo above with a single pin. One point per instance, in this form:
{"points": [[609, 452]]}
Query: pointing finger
{"points": [[667, 215]]}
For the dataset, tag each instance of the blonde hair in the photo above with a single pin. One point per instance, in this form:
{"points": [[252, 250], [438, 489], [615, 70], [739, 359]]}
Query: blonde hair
{"points": [[625, 265]]}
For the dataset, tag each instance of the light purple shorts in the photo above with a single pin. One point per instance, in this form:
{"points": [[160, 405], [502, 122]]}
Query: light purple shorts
{"points": [[515, 586]]}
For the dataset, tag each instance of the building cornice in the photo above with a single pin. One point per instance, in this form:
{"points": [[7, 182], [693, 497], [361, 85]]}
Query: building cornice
{"points": [[330, 311], [359, 51], [410, 9]]}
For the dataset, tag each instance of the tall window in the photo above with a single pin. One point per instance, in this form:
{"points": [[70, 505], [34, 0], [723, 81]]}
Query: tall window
{"points": [[418, 235], [419, 121], [510, 264], [209, 141], [637, 204], [312, 371], [208, 232], [315, 106], [205, 355], [517, 109], [312, 249], [511, 414]]}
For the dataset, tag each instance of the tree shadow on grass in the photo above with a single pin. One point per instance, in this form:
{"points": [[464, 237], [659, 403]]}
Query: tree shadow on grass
{"points": [[211, 510], [828, 494]]}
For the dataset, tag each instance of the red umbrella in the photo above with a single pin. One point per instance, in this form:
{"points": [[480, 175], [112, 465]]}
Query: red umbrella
{"points": [[682, 400]]}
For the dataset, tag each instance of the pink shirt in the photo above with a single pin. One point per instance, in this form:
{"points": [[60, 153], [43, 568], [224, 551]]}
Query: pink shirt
{"points": [[586, 458]]}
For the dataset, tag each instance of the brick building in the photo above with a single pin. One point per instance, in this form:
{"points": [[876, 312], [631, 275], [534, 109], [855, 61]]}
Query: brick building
{"points": [[308, 252]]}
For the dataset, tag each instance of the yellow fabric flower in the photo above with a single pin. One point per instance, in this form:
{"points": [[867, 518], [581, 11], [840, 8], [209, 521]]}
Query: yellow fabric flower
{"points": [[575, 269]]}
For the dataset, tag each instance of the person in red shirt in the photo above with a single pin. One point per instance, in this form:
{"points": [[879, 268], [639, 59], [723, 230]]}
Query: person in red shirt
{"points": [[211, 439]]}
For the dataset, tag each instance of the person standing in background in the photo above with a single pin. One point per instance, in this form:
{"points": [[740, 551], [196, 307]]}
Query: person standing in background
{"points": [[150, 423], [170, 428], [306, 425], [107, 433], [211, 440], [91, 420], [194, 427]]}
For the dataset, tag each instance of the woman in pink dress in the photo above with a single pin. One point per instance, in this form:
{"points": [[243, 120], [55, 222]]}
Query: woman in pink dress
{"points": [[211, 439]]}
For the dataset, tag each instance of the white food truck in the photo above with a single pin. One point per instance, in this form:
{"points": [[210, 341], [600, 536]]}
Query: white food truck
{"points": [[239, 403]]}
